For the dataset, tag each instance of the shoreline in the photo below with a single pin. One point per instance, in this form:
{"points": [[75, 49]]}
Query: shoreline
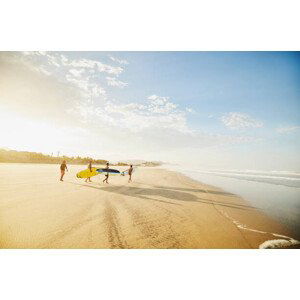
{"points": [[161, 209], [280, 241], [278, 202]]}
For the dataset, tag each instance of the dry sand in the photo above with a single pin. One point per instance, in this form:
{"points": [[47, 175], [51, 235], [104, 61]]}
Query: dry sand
{"points": [[159, 209]]}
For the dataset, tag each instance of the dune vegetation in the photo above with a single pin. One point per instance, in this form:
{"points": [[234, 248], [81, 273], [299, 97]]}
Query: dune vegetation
{"points": [[13, 156]]}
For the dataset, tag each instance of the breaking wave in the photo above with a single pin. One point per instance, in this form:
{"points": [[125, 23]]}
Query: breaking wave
{"points": [[284, 241], [290, 179]]}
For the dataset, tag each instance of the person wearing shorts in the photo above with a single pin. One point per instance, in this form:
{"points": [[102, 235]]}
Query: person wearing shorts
{"points": [[130, 170], [63, 168], [90, 168]]}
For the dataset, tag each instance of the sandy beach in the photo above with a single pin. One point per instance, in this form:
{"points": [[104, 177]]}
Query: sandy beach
{"points": [[159, 209]]}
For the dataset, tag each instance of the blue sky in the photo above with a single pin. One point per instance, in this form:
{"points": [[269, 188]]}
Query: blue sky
{"points": [[263, 84], [227, 109]]}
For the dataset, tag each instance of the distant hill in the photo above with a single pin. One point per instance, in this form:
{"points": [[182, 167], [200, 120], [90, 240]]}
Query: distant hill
{"points": [[140, 162]]}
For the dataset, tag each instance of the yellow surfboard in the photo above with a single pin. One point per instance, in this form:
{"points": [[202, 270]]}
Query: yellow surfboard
{"points": [[87, 173]]}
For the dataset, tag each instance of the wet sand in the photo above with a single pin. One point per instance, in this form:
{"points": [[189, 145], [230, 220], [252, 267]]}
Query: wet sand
{"points": [[159, 209]]}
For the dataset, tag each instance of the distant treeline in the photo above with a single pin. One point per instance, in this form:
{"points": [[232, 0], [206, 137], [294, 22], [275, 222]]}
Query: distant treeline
{"points": [[12, 156]]}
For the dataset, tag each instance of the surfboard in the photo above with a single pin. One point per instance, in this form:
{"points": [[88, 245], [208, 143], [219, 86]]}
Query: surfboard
{"points": [[126, 172], [109, 171], [87, 173]]}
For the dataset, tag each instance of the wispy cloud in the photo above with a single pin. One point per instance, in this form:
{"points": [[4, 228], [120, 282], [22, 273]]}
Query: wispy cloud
{"points": [[159, 104], [157, 122], [190, 110], [74, 94], [80, 72], [77, 72], [120, 61], [235, 120], [87, 87], [287, 129], [53, 59], [96, 65], [155, 113], [113, 81]]}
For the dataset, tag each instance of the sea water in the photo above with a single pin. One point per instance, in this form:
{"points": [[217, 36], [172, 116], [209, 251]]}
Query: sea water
{"points": [[276, 193]]}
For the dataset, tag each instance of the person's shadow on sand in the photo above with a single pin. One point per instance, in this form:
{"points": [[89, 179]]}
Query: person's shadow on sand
{"points": [[140, 192], [196, 190], [168, 192]]}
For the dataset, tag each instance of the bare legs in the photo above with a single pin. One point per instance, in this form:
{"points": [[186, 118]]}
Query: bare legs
{"points": [[106, 178]]}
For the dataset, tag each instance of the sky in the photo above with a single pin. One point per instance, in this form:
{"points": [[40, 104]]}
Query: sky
{"points": [[225, 110]]}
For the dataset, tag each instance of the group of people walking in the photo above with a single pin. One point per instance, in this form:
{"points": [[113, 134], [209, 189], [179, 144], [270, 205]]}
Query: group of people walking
{"points": [[63, 168]]}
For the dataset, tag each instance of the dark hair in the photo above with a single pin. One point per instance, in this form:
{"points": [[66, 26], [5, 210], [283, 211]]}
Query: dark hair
{"points": [[130, 165]]}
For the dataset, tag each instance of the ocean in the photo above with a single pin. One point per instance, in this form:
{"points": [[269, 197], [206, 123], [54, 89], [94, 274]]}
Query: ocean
{"points": [[277, 193]]}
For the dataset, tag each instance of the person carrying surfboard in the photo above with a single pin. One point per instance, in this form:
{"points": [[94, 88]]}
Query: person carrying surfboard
{"points": [[63, 168], [88, 179], [130, 170], [106, 175]]}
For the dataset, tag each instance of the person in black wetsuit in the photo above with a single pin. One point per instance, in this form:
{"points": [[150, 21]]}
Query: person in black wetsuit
{"points": [[63, 168], [106, 175]]}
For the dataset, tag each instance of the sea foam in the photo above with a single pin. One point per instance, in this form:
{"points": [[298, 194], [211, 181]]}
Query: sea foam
{"points": [[290, 179]]}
